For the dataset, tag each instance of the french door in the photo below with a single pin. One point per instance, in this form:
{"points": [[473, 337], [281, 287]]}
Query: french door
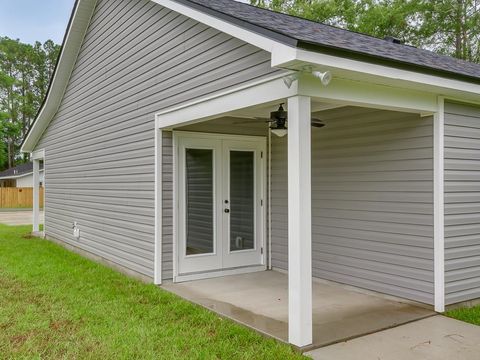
{"points": [[220, 187]]}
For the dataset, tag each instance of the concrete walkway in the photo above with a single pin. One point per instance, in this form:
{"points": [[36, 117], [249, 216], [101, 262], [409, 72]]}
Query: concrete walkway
{"points": [[18, 217], [434, 338], [260, 300]]}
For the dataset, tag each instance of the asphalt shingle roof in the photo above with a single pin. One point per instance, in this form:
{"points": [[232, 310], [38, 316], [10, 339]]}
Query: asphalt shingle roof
{"points": [[301, 32], [19, 170]]}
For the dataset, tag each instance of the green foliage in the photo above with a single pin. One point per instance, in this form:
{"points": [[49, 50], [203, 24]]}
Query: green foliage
{"points": [[449, 27], [25, 72], [452, 27], [55, 304], [470, 315]]}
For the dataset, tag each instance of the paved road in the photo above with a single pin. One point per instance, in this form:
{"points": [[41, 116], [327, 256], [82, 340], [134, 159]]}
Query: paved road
{"points": [[434, 338], [18, 217]]}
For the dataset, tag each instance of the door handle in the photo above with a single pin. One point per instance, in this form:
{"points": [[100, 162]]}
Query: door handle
{"points": [[226, 211]]}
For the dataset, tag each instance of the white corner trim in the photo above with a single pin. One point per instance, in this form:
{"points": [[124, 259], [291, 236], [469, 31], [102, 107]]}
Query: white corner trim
{"points": [[251, 94], [175, 220], [236, 31], [438, 204], [157, 265]]}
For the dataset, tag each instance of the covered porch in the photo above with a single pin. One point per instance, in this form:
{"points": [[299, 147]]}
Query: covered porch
{"points": [[260, 301], [352, 203]]}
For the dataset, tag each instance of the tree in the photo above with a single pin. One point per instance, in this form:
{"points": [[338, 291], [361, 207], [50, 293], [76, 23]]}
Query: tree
{"points": [[450, 27], [25, 72]]}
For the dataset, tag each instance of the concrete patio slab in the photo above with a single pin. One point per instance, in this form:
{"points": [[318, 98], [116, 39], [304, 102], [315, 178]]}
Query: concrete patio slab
{"points": [[435, 338], [18, 217], [260, 300]]}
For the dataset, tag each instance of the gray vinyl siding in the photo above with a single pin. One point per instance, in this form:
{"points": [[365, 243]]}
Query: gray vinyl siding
{"points": [[372, 201], [137, 58], [462, 203]]}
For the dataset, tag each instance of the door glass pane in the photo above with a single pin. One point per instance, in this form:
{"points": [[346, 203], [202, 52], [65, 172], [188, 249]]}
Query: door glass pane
{"points": [[242, 200], [199, 198]]}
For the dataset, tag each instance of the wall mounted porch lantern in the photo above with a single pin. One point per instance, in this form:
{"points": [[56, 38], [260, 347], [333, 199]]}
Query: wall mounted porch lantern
{"points": [[278, 120]]}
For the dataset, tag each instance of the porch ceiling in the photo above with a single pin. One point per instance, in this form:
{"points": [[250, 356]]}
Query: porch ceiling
{"points": [[260, 301], [251, 120]]}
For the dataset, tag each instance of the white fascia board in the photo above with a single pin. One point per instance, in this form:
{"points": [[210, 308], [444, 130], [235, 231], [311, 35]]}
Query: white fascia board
{"points": [[236, 31], [255, 93], [68, 56], [294, 58]]}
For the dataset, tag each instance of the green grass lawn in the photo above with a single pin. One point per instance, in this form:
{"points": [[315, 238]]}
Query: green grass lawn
{"points": [[470, 315], [55, 304]]}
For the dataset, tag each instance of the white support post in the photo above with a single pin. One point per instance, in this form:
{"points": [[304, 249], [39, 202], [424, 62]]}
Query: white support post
{"points": [[299, 222], [438, 206], [36, 195], [157, 276]]}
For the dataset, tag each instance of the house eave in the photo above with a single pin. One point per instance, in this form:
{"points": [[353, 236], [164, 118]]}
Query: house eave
{"points": [[379, 73], [77, 27]]}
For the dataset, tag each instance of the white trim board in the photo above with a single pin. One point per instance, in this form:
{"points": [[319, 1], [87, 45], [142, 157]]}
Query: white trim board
{"points": [[157, 262], [361, 93], [251, 94], [340, 92], [236, 31], [219, 273]]}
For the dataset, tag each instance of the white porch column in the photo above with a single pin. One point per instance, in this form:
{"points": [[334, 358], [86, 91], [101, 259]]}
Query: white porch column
{"points": [[299, 222], [36, 195], [438, 206]]}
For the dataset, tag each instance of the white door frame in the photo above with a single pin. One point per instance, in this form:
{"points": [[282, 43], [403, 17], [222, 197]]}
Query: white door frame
{"points": [[177, 135]]}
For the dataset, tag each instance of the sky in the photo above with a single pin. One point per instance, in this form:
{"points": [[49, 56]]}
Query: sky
{"points": [[36, 20]]}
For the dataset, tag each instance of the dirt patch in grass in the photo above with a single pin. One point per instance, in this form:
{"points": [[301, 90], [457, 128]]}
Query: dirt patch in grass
{"points": [[28, 322]]}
